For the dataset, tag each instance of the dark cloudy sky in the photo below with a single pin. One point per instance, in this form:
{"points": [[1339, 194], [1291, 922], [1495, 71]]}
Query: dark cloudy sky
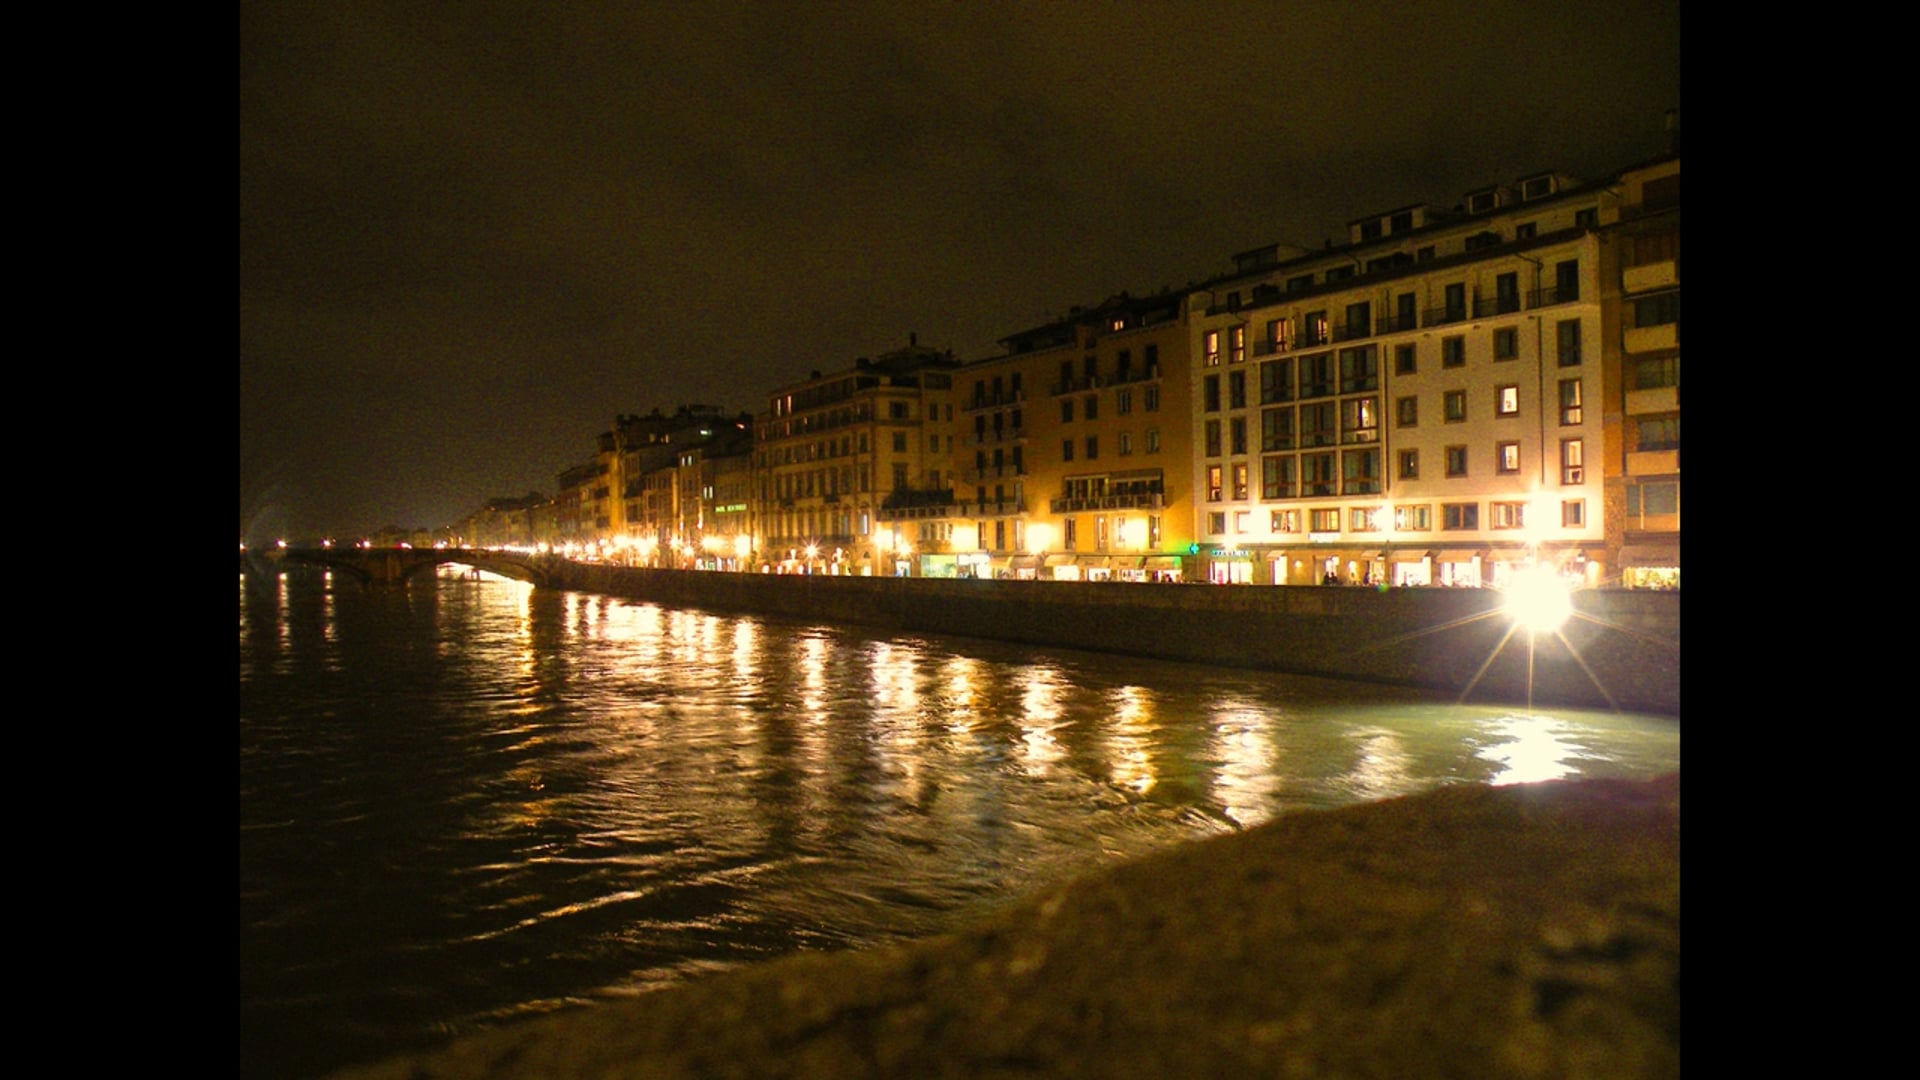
{"points": [[473, 232]]}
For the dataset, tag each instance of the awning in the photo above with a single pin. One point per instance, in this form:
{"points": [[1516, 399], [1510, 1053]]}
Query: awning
{"points": [[1409, 555], [1021, 562], [1059, 560], [1650, 555], [1459, 554], [1092, 560], [1127, 562], [1163, 562], [1369, 556]]}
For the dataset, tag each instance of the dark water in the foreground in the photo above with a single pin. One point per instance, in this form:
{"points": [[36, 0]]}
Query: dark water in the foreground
{"points": [[469, 802]]}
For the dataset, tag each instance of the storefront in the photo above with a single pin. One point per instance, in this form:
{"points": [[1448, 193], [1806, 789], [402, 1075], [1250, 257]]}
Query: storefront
{"points": [[1060, 568], [1410, 567], [1095, 568], [1129, 568], [1460, 568], [1230, 566], [1023, 567], [1165, 569], [1650, 566]]}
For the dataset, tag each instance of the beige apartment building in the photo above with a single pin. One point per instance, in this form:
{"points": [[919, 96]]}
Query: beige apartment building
{"points": [[1071, 453], [835, 449], [1415, 406]]}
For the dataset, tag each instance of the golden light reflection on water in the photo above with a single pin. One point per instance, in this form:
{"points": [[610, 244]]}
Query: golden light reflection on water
{"points": [[1245, 781], [1041, 694], [1128, 738], [1380, 767], [1533, 748]]}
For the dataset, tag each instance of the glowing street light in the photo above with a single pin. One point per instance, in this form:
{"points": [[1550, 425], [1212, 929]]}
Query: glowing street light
{"points": [[1539, 599]]}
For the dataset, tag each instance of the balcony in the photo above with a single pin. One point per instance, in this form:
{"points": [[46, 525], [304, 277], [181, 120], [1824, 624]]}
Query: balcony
{"points": [[993, 401], [989, 508], [997, 436], [1393, 324], [1441, 316], [1129, 375], [1548, 297], [993, 472], [1640, 339], [1151, 500], [1664, 274], [1486, 307], [1352, 331]]}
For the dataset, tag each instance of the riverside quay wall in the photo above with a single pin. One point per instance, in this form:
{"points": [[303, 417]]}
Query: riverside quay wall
{"points": [[1621, 649]]}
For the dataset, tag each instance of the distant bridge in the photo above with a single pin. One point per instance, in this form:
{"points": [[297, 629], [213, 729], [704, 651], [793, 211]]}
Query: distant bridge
{"points": [[379, 567]]}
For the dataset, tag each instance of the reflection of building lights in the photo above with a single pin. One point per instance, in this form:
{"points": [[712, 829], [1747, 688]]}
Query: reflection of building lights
{"points": [[1539, 599], [1039, 537]]}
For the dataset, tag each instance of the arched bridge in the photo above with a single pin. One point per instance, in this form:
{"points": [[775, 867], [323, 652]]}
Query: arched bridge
{"points": [[395, 566]]}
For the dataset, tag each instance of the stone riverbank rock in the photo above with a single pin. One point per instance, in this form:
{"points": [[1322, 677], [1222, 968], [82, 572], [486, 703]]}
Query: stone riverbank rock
{"points": [[1526, 931]]}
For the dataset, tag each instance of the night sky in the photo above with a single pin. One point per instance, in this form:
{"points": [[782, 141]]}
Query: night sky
{"points": [[472, 233]]}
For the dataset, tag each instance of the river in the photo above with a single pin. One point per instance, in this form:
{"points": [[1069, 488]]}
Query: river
{"points": [[470, 801]]}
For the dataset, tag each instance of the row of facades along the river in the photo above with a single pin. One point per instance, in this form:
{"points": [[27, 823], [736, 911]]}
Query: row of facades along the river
{"points": [[1446, 398]]}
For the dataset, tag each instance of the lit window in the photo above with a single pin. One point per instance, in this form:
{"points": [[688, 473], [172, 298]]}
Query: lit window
{"points": [[1573, 513], [1213, 348], [1285, 521], [1126, 443], [1214, 475], [1237, 339], [1573, 460], [1123, 401], [1326, 521], [1413, 518], [1363, 519], [1506, 400], [1507, 457], [1508, 515]]}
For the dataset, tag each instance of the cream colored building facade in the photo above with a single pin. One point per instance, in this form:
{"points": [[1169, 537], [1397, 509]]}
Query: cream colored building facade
{"points": [[1416, 406], [834, 449]]}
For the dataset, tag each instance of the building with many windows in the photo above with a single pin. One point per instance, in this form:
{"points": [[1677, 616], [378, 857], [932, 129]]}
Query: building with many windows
{"points": [[1642, 377], [1409, 407], [835, 449], [1071, 452]]}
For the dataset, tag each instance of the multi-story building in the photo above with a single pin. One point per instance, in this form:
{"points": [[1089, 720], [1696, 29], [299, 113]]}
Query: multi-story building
{"points": [[1411, 406], [834, 449], [1073, 450], [1642, 377]]}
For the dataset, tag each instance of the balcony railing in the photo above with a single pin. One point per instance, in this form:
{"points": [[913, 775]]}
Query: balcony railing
{"points": [[996, 436], [989, 508], [1441, 316], [1552, 295], [1495, 305], [1152, 500], [1351, 331], [990, 401], [1393, 324]]}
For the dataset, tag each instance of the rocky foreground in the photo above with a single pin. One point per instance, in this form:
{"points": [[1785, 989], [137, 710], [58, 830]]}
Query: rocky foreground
{"points": [[1528, 931]]}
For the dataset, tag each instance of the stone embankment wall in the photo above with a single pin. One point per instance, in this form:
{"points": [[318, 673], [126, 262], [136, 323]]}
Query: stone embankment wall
{"points": [[1621, 649]]}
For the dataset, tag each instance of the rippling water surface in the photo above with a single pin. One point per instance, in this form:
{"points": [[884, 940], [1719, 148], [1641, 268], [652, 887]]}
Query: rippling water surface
{"points": [[470, 801]]}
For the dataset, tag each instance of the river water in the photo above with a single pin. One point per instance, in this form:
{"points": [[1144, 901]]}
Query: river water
{"points": [[469, 801]]}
